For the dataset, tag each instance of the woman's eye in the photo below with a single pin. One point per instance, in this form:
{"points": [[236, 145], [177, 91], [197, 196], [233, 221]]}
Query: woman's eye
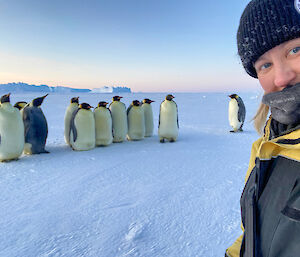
{"points": [[295, 50], [265, 66]]}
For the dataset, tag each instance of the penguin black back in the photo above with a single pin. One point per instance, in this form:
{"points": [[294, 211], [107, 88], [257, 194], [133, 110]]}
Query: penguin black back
{"points": [[36, 128]]}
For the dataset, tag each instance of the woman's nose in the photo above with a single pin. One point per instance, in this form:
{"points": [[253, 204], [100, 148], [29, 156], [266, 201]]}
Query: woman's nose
{"points": [[284, 75]]}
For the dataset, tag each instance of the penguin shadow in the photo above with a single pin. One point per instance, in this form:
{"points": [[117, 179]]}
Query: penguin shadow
{"points": [[246, 132]]}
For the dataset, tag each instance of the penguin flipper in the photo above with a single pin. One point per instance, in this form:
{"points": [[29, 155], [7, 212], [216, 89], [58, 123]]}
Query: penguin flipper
{"points": [[27, 121], [242, 110], [159, 114], [72, 126], [177, 114], [128, 109]]}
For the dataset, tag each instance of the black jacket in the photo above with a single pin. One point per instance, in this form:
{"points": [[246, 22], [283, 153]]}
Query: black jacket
{"points": [[270, 202]]}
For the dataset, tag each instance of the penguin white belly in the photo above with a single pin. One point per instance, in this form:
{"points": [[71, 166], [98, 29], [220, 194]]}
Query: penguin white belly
{"points": [[168, 121], [119, 121], [233, 115], [103, 123], [11, 134], [148, 116], [85, 126], [136, 124], [71, 108]]}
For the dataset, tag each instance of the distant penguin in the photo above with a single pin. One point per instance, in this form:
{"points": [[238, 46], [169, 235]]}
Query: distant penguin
{"points": [[20, 105], [82, 130], [73, 106], [236, 113], [119, 119], [136, 122], [148, 117], [11, 131], [168, 120], [103, 123], [36, 127]]}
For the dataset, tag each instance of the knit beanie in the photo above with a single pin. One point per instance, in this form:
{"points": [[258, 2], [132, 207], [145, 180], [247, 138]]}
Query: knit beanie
{"points": [[265, 24]]}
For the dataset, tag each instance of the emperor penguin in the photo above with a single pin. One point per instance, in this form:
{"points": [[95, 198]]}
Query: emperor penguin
{"points": [[20, 105], [11, 131], [103, 124], [73, 106], [148, 117], [82, 128], [119, 119], [236, 113], [136, 122], [168, 125], [36, 127]]}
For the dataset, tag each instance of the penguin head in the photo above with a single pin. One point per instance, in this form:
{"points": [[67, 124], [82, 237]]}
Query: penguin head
{"points": [[85, 106], [169, 97], [136, 103], [233, 96], [38, 101], [102, 104], [147, 101], [20, 105], [5, 98], [75, 100], [117, 98]]}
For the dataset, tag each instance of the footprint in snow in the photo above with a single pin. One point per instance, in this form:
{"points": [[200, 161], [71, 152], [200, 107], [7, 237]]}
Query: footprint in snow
{"points": [[134, 232]]}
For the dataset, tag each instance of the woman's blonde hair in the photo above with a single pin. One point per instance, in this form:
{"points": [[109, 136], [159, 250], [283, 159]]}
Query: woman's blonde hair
{"points": [[260, 118]]}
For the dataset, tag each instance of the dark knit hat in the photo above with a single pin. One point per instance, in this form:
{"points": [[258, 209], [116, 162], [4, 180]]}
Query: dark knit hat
{"points": [[265, 24]]}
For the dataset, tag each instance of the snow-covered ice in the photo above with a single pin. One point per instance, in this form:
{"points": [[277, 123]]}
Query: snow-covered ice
{"points": [[140, 198]]}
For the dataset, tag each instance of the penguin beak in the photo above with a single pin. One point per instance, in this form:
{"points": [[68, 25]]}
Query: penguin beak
{"points": [[45, 96], [8, 94], [120, 97], [152, 101]]}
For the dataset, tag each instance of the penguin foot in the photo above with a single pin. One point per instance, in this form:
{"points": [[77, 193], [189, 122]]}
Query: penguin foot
{"points": [[162, 140], [10, 160], [240, 129], [232, 131], [172, 140]]}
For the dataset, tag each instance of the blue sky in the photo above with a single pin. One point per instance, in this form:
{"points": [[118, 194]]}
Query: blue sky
{"points": [[148, 45]]}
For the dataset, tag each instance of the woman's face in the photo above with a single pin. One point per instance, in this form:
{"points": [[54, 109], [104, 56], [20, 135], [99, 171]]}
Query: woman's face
{"points": [[279, 67]]}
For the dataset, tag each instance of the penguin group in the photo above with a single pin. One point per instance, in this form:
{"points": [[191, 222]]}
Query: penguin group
{"points": [[86, 129], [23, 128]]}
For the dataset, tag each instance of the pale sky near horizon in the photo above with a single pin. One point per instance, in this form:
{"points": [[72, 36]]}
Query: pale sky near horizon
{"points": [[147, 45]]}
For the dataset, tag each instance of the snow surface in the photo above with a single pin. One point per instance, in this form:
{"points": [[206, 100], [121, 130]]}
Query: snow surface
{"points": [[140, 198]]}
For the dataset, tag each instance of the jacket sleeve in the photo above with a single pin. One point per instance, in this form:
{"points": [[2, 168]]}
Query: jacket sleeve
{"points": [[234, 249]]}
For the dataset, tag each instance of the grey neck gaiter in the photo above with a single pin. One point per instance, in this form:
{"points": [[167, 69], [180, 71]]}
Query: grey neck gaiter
{"points": [[285, 104]]}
